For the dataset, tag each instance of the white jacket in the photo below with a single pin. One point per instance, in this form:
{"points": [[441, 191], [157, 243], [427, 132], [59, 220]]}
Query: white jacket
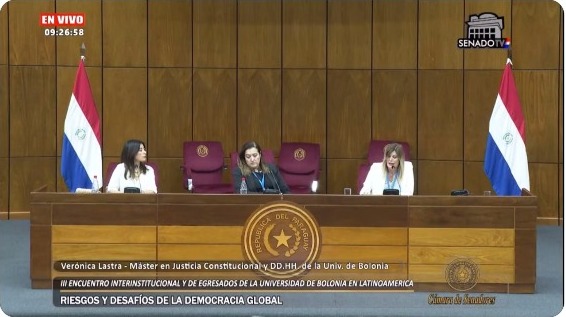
{"points": [[375, 181], [145, 182]]}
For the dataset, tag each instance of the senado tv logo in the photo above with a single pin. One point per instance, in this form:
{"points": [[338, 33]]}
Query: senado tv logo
{"points": [[484, 31]]}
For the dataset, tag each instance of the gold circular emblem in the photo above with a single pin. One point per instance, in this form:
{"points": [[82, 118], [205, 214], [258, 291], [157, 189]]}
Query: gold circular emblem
{"points": [[202, 151], [300, 154], [283, 238], [462, 274]]}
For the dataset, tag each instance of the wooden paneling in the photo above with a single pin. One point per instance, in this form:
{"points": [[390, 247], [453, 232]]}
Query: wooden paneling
{"points": [[170, 33], [341, 174], [480, 255], [60, 183], [28, 174], [526, 254], [259, 107], [461, 217], [68, 47], [480, 92], [259, 34], [90, 252], [4, 184], [544, 184], [461, 237], [363, 236], [535, 37], [4, 111], [488, 58], [125, 107], [208, 252], [394, 107], [214, 33], [349, 34], [439, 177], [40, 252], [487, 273], [387, 254], [109, 214], [28, 44], [395, 34], [200, 234], [538, 93], [103, 234], [65, 82], [169, 111], [170, 175], [561, 117], [334, 216], [304, 34], [4, 34], [304, 107], [215, 106], [560, 192], [440, 119], [32, 111], [440, 27], [124, 41], [475, 179], [348, 113]]}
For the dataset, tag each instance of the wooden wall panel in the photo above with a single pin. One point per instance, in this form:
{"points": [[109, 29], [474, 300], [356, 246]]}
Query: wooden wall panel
{"points": [[395, 34], [544, 184], [440, 120], [304, 107], [169, 111], [215, 107], [342, 174], [68, 47], [28, 44], [480, 92], [124, 40], [4, 111], [535, 38], [561, 117], [214, 33], [440, 27], [170, 28], [348, 113], [560, 192], [259, 34], [488, 58], [28, 174], [125, 108], [304, 34], [538, 93], [4, 185], [439, 177], [4, 34], [475, 179], [259, 107], [349, 34], [170, 175], [32, 111], [60, 183], [394, 107], [65, 83]]}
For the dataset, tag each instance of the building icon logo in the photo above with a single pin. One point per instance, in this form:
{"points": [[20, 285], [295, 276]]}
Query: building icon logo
{"points": [[484, 31]]}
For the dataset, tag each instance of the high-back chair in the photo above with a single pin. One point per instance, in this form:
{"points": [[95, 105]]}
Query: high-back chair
{"points": [[299, 165], [112, 166], [375, 155], [203, 162]]}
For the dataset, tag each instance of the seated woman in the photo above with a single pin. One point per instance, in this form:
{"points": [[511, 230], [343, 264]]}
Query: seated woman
{"points": [[392, 173], [260, 177], [132, 171]]}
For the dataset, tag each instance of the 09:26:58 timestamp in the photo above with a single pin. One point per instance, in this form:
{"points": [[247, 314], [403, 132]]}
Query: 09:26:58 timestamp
{"points": [[64, 32]]}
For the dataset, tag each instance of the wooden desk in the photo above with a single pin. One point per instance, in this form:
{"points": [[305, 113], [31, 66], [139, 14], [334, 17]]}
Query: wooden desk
{"points": [[417, 236]]}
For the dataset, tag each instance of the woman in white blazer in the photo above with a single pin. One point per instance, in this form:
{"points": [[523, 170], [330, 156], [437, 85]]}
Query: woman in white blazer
{"points": [[392, 173]]}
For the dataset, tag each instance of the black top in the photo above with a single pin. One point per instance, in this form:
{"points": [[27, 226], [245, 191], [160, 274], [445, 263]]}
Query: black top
{"points": [[272, 180]]}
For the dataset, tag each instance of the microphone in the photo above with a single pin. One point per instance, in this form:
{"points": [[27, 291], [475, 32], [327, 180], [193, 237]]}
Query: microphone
{"points": [[275, 181]]}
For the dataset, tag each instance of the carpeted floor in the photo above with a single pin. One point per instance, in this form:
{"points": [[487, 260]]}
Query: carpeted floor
{"points": [[18, 299]]}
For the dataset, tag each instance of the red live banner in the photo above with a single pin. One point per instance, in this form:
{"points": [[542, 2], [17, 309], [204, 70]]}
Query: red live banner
{"points": [[61, 19]]}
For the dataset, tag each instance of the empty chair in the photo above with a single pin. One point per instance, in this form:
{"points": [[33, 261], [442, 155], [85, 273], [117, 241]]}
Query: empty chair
{"points": [[375, 155], [112, 166], [299, 164], [203, 163], [266, 155]]}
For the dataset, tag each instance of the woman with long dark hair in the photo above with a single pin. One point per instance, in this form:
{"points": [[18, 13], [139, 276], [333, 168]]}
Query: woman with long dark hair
{"points": [[132, 171]]}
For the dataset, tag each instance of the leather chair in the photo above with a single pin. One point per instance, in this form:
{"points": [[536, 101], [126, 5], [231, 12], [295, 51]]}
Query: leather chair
{"points": [[203, 162], [299, 165]]}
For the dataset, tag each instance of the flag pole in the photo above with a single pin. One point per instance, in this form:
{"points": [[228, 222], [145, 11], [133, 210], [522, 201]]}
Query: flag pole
{"points": [[83, 51]]}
